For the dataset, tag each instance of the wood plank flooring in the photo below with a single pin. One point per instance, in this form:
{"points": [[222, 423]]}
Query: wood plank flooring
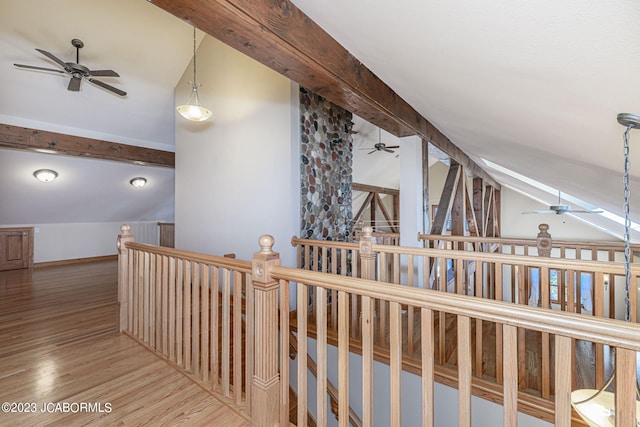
{"points": [[60, 353]]}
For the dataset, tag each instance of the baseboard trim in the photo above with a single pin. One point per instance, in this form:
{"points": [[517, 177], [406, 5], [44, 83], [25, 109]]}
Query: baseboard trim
{"points": [[64, 262]]}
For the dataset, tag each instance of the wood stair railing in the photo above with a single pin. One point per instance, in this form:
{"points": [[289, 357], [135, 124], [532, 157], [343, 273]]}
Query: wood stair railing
{"points": [[332, 391]]}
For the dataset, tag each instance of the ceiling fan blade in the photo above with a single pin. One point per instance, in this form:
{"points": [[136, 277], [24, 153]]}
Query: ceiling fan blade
{"points": [[371, 152], [585, 211], [31, 67], [103, 73], [54, 59], [394, 146], [387, 150], [108, 87], [539, 212], [74, 84]]}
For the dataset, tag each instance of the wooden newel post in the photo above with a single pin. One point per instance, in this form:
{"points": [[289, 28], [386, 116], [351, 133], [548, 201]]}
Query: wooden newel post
{"points": [[367, 256], [543, 241], [266, 380], [123, 276]]}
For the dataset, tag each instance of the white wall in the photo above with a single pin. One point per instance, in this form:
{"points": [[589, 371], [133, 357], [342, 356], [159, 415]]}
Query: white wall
{"points": [[56, 242], [237, 175], [484, 413], [410, 190]]}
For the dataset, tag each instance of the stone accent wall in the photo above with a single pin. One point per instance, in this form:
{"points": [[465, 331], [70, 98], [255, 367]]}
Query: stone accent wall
{"points": [[326, 161]]}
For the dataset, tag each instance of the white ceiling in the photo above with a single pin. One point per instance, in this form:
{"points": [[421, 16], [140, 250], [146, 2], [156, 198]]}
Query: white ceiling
{"points": [[149, 48], [533, 86]]}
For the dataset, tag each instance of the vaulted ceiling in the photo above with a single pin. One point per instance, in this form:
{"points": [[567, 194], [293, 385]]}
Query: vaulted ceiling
{"points": [[534, 87]]}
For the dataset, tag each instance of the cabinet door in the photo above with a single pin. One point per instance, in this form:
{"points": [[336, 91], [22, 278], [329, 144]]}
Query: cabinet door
{"points": [[14, 250]]}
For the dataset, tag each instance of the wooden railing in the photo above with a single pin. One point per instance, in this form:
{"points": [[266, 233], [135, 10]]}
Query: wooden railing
{"points": [[565, 249], [191, 310], [508, 318], [524, 280]]}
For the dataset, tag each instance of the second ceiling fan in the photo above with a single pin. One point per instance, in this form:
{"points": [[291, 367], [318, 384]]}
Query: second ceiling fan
{"points": [[380, 146]]}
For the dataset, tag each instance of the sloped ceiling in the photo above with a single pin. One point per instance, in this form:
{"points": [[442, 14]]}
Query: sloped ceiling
{"points": [[149, 48], [534, 87]]}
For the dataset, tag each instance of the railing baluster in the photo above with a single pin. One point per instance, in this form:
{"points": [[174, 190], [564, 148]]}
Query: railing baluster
{"points": [[302, 314], [195, 319], [186, 313], [179, 304], [321, 358], [226, 332], [410, 312], [367, 360], [172, 309], [510, 386], [343, 359], [237, 337], [150, 302], [625, 393], [284, 352], [563, 381], [205, 298], [215, 328], [428, 350], [464, 371], [395, 362], [249, 332], [145, 318], [165, 305]]}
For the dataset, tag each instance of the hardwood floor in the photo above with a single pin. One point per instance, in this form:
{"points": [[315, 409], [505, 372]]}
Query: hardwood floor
{"points": [[60, 355]]}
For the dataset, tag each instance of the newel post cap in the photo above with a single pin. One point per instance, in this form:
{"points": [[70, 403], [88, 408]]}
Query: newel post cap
{"points": [[264, 260]]}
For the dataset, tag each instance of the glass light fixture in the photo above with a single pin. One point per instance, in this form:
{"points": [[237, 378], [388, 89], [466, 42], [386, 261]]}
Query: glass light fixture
{"points": [[193, 110], [597, 407], [138, 182], [45, 175]]}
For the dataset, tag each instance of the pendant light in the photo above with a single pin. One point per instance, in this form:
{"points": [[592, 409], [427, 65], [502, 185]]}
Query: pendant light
{"points": [[193, 110], [597, 407]]}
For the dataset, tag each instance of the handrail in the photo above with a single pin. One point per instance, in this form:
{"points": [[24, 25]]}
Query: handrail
{"points": [[332, 391], [560, 263], [297, 241], [600, 330], [583, 244], [509, 318], [226, 262]]}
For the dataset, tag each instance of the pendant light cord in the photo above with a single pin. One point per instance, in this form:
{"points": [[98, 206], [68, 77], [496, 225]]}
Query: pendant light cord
{"points": [[194, 57]]}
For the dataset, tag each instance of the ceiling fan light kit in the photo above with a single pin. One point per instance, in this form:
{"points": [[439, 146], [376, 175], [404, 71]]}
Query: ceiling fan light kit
{"points": [[193, 110], [76, 71]]}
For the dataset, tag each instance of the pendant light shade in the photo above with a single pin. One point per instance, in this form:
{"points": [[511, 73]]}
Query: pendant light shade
{"points": [[193, 110]]}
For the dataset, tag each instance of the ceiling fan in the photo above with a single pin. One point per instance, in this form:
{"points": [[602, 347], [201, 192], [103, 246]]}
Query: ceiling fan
{"points": [[380, 146], [560, 209], [76, 71]]}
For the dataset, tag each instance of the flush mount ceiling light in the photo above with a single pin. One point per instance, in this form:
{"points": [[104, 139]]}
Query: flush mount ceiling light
{"points": [[45, 175], [138, 181], [193, 110]]}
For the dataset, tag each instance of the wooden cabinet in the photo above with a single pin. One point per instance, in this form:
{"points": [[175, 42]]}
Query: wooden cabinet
{"points": [[16, 248]]}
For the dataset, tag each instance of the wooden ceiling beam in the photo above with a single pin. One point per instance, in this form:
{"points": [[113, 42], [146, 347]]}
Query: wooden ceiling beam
{"points": [[280, 36], [58, 143]]}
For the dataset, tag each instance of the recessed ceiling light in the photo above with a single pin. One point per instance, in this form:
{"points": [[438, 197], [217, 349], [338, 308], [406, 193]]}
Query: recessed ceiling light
{"points": [[138, 181], [45, 175]]}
